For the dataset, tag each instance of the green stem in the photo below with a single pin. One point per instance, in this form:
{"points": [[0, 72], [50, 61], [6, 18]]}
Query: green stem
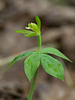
{"points": [[39, 43], [35, 76], [32, 86]]}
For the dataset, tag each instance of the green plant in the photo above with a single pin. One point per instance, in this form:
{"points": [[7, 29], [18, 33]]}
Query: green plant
{"points": [[32, 63]]}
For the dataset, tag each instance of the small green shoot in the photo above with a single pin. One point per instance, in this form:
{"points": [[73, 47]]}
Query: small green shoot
{"points": [[31, 64]]}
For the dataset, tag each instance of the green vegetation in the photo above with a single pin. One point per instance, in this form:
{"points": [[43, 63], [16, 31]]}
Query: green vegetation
{"points": [[31, 64]]}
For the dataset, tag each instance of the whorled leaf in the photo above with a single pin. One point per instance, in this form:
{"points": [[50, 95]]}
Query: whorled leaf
{"points": [[31, 64], [52, 66], [23, 31], [38, 22], [23, 55], [54, 52], [31, 35]]}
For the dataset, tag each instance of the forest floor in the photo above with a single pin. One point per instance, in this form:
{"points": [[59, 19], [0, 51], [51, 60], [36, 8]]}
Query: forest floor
{"points": [[58, 30]]}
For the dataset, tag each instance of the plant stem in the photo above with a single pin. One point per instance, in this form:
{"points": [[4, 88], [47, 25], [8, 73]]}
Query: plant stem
{"points": [[39, 43], [32, 86], [35, 76]]}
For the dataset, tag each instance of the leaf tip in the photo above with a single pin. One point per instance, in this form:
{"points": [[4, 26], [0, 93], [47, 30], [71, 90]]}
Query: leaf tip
{"points": [[6, 70], [36, 16], [29, 80], [70, 61], [62, 78], [15, 31]]}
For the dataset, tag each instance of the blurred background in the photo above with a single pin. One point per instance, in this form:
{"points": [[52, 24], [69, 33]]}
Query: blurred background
{"points": [[58, 30]]}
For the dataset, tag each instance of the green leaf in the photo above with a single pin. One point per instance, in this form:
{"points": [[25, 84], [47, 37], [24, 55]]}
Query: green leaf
{"points": [[31, 35], [20, 57], [34, 27], [38, 22], [52, 66], [31, 64], [54, 52], [24, 31]]}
